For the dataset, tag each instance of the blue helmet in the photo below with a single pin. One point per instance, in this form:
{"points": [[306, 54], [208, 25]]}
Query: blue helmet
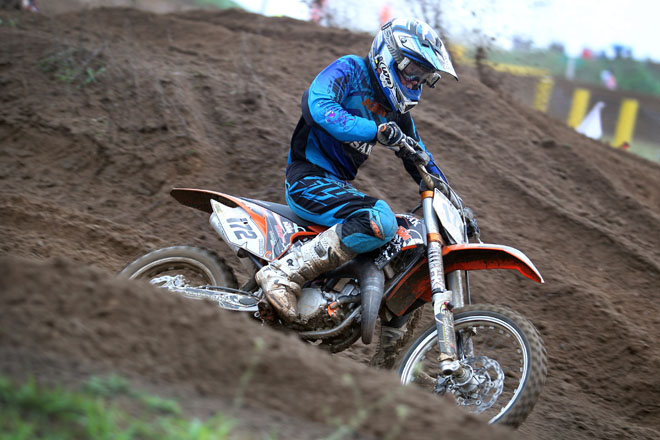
{"points": [[405, 55]]}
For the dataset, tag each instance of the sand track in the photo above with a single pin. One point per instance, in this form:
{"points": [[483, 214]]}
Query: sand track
{"points": [[209, 99]]}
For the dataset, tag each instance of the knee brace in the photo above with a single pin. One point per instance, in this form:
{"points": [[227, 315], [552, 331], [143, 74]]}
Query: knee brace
{"points": [[369, 228]]}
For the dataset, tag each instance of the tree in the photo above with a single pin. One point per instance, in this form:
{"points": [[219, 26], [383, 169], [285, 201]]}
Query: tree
{"points": [[431, 13], [322, 12]]}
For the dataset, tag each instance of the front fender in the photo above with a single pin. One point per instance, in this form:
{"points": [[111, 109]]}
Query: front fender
{"points": [[480, 256]]}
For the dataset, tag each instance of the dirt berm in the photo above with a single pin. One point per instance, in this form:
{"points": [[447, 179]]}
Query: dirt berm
{"points": [[103, 111]]}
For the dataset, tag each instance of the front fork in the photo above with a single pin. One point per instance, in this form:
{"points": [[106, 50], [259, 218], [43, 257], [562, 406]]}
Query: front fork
{"points": [[442, 297]]}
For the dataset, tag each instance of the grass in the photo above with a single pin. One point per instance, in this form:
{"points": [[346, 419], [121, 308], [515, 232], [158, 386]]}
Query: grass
{"points": [[74, 66], [647, 150], [97, 410], [222, 4], [634, 75], [11, 22], [32, 411]]}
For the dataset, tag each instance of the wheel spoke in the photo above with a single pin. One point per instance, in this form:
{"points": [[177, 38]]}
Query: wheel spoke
{"points": [[497, 368]]}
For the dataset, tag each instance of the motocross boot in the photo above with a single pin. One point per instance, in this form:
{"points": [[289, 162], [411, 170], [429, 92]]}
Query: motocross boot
{"points": [[282, 279]]}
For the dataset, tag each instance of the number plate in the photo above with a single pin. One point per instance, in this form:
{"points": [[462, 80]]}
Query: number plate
{"points": [[450, 218], [239, 229]]}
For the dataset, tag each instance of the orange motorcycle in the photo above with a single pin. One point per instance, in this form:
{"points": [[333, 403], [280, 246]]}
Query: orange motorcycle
{"points": [[488, 357]]}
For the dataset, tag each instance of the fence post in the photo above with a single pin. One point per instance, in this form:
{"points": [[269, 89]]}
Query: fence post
{"points": [[625, 125], [543, 93], [578, 107]]}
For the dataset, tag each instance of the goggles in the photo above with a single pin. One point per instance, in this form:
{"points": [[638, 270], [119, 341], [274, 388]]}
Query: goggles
{"points": [[415, 74]]}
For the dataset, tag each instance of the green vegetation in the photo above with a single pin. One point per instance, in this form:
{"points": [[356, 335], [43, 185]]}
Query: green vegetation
{"points": [[114, 386], [222, 4], [633, 75], [73, 66], [646, 149], [111, 408], [32, 411], [11, 22]]}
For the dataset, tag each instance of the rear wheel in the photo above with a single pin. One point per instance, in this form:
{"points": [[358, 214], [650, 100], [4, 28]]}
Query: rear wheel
{"points": [[181, 266], [502, 349]]}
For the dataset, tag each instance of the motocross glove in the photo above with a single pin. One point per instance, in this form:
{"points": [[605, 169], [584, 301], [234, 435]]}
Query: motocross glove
{"points": [[418, 157], [390, 135]]}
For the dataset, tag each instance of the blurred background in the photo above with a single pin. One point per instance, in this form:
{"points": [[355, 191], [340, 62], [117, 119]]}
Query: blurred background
{"points": [[593, 64]]}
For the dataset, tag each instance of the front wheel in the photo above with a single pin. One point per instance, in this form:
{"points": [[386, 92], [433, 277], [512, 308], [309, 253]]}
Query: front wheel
{"points": [[181, 266], [502, 351]]}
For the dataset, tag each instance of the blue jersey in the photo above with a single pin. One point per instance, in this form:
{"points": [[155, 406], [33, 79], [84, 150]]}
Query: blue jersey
{"points": [[341, 112]]}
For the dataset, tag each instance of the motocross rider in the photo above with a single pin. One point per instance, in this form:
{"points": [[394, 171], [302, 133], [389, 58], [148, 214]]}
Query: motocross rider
{"points": [[352, 104]]}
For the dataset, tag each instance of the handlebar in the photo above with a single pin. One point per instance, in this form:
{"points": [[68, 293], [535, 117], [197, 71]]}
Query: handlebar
{"points": [[432, 181], [412, 146]]}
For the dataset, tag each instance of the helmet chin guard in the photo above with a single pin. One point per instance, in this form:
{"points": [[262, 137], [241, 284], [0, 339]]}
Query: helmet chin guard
{"points": [[405, 55]]}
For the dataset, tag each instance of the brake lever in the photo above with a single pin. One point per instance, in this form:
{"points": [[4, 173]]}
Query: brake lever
{"points": [[410, 144], [413, 147]]}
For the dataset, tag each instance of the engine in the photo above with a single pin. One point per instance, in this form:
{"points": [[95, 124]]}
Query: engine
{"points": [[321, 309]]}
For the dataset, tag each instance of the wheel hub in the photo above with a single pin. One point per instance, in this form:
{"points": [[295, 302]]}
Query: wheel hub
{"points": [[480, 387]]}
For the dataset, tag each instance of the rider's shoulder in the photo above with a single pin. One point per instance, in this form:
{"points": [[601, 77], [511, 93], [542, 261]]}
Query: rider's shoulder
{"points": [[351, 61]]}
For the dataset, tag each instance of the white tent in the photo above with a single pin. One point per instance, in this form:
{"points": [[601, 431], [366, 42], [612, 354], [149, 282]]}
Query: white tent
{"points": [[591, 125]]}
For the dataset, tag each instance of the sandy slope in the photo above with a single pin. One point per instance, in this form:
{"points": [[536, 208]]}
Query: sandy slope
{"points": [[210, 99]]}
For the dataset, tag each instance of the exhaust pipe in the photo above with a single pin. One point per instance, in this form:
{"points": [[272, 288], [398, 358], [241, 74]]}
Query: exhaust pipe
{"points": [[371, 281]]}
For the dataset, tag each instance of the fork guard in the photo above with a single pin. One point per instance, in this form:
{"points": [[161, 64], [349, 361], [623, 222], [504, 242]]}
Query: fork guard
{"points": [[472, 256]]}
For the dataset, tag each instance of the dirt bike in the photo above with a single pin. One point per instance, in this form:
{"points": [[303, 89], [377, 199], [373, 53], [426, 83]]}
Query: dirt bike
{"points": [[488, 357]]}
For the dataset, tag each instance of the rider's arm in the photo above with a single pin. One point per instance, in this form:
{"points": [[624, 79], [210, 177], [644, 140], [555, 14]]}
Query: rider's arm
{"points": [[324, 99], [407, 125]]}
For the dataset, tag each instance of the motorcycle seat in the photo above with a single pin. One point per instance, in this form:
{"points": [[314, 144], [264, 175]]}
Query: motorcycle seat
{"points": [[282, 210]]}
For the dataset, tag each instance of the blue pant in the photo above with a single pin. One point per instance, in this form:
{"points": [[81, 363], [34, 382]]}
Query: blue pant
{"points": [[367, 223]]}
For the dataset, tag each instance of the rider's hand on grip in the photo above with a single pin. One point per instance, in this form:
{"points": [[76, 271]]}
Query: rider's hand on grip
{"points": [[390, 135]]}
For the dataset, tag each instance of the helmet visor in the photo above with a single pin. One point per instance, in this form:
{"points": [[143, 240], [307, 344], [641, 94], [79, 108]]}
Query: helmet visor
{"points": [[413, 74]]}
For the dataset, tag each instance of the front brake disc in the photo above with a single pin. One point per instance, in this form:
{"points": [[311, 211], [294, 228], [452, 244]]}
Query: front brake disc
{"points": [[490, 376]]}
